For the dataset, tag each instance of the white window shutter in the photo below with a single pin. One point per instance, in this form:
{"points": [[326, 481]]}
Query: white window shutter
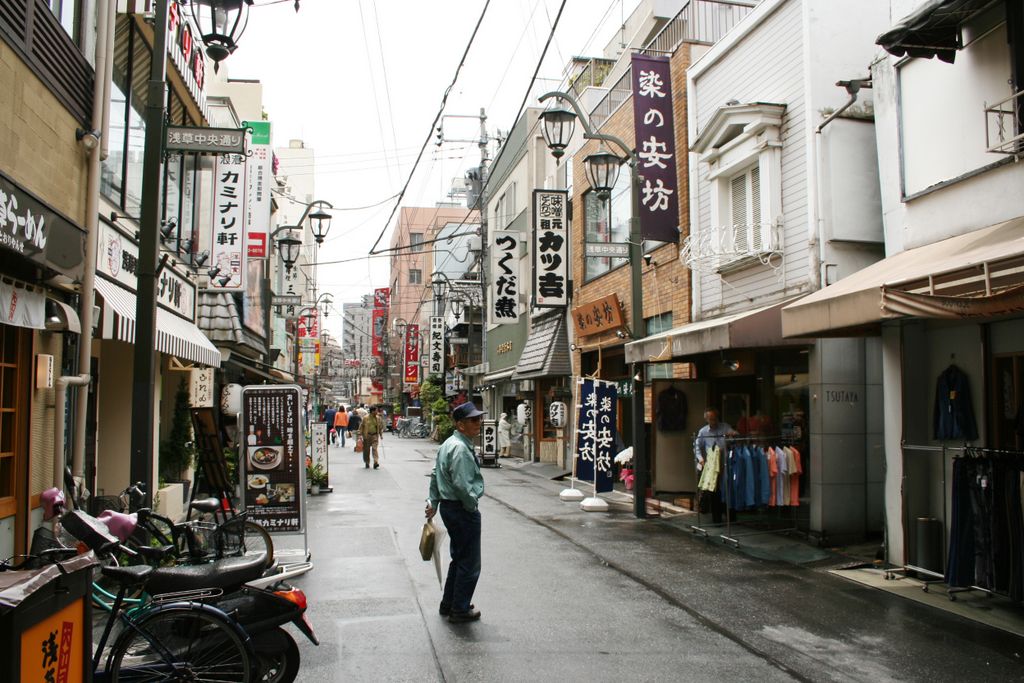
{"points": [[757, 239], [738, 234]]}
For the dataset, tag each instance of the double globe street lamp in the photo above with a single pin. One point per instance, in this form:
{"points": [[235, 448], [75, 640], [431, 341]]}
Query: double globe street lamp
{"points": [[602, 170]]}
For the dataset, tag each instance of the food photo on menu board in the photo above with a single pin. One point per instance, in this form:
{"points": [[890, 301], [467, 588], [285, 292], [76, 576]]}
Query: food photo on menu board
{"points": [[263, 491]]}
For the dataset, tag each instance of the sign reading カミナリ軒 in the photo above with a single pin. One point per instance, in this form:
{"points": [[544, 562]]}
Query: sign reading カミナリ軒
{"points": [[656, 147], [228, 251], [550, 249], [273, 456]]}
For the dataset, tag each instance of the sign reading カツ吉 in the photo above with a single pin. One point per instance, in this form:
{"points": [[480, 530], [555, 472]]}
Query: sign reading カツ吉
{"points": [[550, 249]]}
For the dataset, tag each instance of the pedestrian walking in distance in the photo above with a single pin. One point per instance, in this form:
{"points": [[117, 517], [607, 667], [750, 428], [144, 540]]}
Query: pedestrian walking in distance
{"points": [[341, 424], [455, 487], [372, 430], [329, 414]]}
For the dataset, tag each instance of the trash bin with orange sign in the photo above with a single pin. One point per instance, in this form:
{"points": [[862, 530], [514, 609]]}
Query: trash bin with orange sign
{"points": [[46, 622]]}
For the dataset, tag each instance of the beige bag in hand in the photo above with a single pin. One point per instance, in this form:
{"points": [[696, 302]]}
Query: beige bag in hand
{"points": [[427, 539]]}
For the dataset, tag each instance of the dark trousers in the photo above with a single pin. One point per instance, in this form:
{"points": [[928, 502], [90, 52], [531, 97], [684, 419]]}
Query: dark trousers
{"points": [[464, 571]]}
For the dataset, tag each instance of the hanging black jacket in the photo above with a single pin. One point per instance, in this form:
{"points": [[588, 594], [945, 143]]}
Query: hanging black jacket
{"points": [[954, 412]]}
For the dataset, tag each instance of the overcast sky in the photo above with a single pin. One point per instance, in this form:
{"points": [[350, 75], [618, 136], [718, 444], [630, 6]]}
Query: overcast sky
{"points": [[361, 81]]}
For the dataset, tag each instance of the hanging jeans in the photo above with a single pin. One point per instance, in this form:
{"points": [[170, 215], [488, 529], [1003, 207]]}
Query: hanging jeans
{"points": [[960, 567], [981, 510]]}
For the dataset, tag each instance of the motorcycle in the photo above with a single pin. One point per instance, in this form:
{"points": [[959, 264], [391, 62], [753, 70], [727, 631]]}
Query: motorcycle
{"points": [[260, 600]]}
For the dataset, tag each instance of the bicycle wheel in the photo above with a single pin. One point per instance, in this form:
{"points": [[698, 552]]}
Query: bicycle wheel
{"points": [[242, 537], [193, 642]]}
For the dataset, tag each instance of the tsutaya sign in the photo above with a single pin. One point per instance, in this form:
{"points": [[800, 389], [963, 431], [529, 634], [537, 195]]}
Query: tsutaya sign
{"points": [[550, 249], [503, 297], [656, 147], [257, 202]]}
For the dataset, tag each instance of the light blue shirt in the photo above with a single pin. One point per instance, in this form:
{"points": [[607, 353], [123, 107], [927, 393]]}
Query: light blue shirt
{"points": [[456, 474]]}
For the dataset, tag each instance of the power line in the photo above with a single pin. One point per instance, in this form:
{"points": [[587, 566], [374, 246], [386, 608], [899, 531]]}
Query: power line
{"points": [[430, 132]]}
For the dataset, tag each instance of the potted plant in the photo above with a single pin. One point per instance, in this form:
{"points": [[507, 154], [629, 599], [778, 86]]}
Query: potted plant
{"points": [[316, 476], [177, 453]]}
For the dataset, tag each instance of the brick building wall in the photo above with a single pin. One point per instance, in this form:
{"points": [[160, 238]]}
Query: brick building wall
{"points": [[666, 282], [38, 149]]}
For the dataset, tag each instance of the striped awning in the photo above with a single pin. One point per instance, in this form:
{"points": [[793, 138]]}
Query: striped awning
{"points": [[174, 336]]}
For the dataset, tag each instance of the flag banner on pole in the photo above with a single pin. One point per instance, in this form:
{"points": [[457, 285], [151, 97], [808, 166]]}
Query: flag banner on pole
{"points": [[595, 433]]}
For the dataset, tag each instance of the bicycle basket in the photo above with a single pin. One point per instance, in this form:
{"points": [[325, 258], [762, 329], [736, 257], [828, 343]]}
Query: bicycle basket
{"points": [[202, 537]]}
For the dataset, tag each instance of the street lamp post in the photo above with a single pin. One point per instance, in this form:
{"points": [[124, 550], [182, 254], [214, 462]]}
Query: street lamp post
{"points": [[602, 169], [228, 13]]}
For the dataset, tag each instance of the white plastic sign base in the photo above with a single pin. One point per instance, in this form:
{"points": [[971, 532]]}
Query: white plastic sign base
{"points": [[594, 505]]}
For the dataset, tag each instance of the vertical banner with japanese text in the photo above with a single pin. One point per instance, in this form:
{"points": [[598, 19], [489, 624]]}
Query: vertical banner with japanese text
{"points": [[435, 349], [656, 147], [489, 438], [257, 205], [595, 433], [229, 234], [378, 319], [504, 289], [382, 297], [273, 456], [550, 249], [412, 354]]}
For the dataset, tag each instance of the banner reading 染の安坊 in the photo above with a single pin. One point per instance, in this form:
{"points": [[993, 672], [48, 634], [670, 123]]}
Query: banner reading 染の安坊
{"points": [[655, 148], [595, 433]]}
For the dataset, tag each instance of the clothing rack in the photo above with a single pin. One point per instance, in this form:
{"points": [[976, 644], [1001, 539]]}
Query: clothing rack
{"points": [[957, 452], [907, 567], [727, 537]]}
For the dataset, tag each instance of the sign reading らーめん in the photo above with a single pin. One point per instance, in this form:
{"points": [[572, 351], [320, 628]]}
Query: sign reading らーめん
{"points": [[31, 228]]}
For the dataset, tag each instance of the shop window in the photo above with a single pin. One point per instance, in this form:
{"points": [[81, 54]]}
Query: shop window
{"points": [[655, 325], [607, 222], [69, 14]]}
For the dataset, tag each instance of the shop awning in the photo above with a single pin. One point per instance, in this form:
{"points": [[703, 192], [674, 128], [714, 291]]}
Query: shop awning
{"points": [[478, 369], [757, 328], [933, 30], [546, 353], [978, 274], [174, 336]]}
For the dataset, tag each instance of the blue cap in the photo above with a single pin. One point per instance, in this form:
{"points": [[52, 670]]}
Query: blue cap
{"points": [[466, 411]]}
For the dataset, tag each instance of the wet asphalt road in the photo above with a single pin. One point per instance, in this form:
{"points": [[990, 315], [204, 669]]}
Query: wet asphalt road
{"points": [[573, 596]]}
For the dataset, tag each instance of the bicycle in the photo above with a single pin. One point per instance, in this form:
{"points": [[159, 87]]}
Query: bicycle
{"points": [[158, 538], [171, 637]]}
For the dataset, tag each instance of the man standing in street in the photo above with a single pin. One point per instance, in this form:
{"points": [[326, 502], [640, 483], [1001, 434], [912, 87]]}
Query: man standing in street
{"points": [[456, 486], [371, 429], [353, 421]]}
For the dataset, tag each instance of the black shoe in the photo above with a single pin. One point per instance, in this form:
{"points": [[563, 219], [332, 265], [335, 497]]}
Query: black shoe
{"points": [[376, 465], [366, 465], [462, 617], [445, 610]]}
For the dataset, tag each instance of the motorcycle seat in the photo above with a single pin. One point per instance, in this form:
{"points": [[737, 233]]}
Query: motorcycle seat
{"points": [[205, 505], [227, 573]]}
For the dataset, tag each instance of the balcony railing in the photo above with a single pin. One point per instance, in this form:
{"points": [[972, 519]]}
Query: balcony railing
{"points": [[592, 76], [1004, 125], [701, 22], [729, 248]]}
